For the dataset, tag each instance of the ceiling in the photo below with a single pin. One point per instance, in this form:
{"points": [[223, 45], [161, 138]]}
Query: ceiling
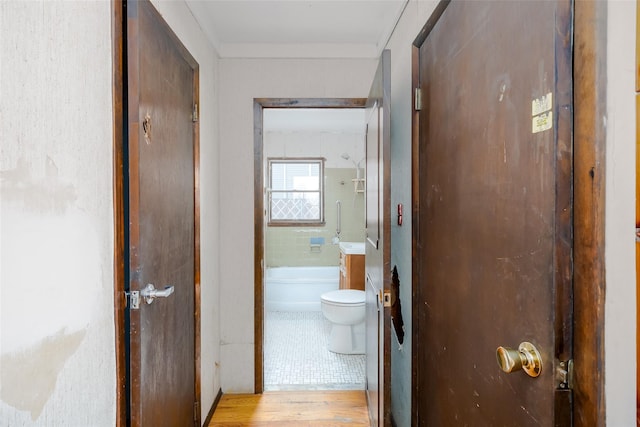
{"points": [[297, 28], [333, 120]]}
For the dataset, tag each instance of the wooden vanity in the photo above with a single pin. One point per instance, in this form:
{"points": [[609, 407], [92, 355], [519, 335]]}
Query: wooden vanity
{"points": [[351, 270]]}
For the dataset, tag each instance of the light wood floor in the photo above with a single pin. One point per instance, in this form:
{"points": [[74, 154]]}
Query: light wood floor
{"points": [[292, 408]]}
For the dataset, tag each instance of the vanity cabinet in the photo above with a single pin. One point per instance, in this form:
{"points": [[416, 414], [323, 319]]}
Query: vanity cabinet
{"points": [[351, 271]]}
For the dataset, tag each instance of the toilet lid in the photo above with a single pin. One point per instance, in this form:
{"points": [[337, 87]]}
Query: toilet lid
{"points": [[344, 296]]}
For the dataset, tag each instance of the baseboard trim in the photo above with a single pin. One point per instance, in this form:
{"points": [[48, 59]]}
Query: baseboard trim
{"points": [[207, 420]]}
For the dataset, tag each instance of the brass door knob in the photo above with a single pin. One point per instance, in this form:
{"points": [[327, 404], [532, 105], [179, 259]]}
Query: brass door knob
{"points": [[526, 357]]}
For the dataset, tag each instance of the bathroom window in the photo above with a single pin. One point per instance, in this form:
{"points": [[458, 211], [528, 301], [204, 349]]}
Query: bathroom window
{"points": [[296, 191]]}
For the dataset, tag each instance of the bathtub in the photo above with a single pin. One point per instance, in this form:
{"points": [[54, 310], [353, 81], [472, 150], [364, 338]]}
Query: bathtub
{"points": [[298, 288]]}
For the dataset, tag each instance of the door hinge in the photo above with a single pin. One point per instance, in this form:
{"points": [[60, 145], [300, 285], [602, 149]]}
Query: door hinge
{"points": [[564, 374], [196, 411], [132, 299], [417, 100], [194, 115]]}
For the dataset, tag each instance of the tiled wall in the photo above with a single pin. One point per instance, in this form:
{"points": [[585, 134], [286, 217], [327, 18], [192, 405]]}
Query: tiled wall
{"points": [[290, 246]]}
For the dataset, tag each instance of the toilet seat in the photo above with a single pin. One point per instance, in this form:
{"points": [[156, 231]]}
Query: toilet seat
{"points": [[344, 297]]}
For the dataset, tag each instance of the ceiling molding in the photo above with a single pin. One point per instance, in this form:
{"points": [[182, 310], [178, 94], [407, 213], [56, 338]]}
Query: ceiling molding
{"points": [[292, 50]]}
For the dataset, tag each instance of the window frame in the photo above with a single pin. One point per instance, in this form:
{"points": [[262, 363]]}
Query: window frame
{"points": [[321, 192]]}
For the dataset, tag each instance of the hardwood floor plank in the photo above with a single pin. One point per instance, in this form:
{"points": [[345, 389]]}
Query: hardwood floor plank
{"points": [[292, 408]]}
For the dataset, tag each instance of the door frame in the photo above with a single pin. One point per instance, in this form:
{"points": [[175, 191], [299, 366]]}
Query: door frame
{"points": [[119, 82], [259, 104], [589, 135]]}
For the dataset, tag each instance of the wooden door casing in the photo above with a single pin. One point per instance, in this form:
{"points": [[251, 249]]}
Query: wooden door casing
{"points": [[637, 258], [259, 104], [492, 196], [637, 211], [163, 222]]}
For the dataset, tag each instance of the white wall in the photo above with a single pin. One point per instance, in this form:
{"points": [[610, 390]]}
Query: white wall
{"points": [[329, 145], [620, 307], [242, 80], [56, 288], [182, 22]]}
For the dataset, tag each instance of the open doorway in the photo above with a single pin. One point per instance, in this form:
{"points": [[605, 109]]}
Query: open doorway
{"points": [[317, 149], [314, 198]]}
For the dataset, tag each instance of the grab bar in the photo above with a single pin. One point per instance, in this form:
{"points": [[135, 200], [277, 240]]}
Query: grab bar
{"points": [[339, 213]]}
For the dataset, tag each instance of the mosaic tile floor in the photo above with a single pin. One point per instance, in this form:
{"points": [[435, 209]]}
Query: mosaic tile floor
{"points": [[296, 355]]}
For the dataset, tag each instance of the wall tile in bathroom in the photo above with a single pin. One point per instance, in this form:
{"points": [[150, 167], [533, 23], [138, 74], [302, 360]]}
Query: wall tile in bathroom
{"points": [[290, 246]]}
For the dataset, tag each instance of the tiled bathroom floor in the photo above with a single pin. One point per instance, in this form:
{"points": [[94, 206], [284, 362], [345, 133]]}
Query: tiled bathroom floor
{"points": [[296, 355]]}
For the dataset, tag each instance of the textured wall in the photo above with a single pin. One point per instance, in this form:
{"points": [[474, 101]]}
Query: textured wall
{"points": [[57, 331], [242, 80]]}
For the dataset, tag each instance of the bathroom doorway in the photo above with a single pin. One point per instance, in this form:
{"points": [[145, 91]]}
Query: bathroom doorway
{"points": [[312, 190]]}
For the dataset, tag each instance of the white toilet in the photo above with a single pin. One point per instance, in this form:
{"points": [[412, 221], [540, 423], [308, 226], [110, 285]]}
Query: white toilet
{"points": [[345, 310]]}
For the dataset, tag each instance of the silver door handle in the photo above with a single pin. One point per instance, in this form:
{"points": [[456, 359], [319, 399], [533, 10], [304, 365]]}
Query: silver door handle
{"points": [[149, 293]]}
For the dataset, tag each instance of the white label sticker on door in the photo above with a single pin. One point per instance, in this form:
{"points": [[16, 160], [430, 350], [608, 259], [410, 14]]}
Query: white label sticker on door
{"points": [[542, 104], [542, 122]]}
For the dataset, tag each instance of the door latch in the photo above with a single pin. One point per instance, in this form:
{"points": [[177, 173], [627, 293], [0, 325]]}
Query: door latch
{"points": [[386, 299], [564, 374], [133, 299], [149, 293]]}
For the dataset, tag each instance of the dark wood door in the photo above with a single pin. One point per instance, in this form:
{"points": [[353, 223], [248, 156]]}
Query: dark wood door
{"points": [[378, 244], [162, 217], [493, 242]]}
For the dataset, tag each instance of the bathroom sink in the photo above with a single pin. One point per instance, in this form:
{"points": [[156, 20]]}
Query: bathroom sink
{"points": [[352, 248]]}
